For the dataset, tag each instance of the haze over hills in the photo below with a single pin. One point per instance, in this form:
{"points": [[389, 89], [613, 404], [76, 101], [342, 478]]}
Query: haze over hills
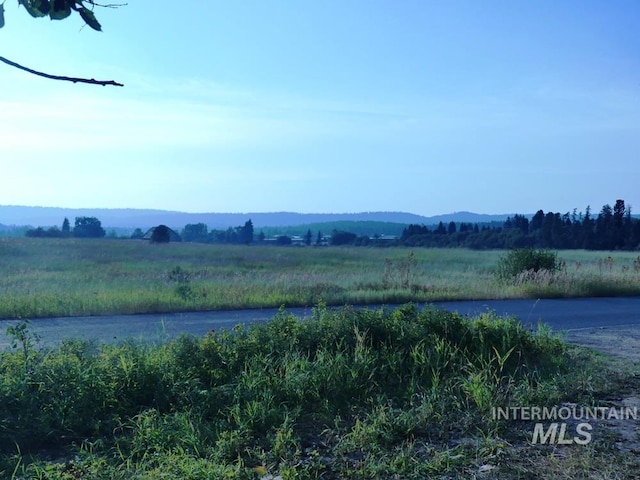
{"points": [[11, 215]]}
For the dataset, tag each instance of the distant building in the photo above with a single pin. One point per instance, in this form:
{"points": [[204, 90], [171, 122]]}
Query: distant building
{"points": [[174, 237], [387, 238]]}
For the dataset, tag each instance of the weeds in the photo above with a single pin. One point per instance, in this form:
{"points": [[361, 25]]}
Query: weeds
{"points": [[24, 340], [399, 274], [371, 393], [182, 278]]}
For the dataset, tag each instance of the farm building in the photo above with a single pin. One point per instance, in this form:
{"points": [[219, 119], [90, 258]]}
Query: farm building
{"points": [[173, 235]]}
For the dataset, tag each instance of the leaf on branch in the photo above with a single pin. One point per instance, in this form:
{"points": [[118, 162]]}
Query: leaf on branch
{"points": [[59, 10], [89, 18], [36, 8], [1, 14]]}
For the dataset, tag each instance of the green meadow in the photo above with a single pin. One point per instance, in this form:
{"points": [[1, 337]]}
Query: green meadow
{"points": [[67, 277]]}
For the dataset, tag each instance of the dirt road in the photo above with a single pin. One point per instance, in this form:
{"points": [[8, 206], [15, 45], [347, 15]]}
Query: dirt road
{"points": [[610, 325]]}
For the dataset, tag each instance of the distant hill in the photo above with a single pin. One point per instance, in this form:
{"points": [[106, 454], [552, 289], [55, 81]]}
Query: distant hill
{"points": [[121, 218], [469, 217], [359, 227]]}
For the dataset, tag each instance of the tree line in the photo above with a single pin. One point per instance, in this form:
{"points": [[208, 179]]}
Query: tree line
{"points": [[84, 227], [612, 229]]}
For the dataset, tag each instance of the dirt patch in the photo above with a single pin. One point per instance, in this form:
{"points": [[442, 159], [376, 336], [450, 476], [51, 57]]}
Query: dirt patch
{"points": [[623, 341]]}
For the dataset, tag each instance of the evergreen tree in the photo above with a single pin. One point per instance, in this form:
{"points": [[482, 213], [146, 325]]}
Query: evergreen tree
{"points": [[605, 237], [245, 235], [521, 223], [66, 228], [619, 211], [537, 222], [629, 243], [588, 230]]}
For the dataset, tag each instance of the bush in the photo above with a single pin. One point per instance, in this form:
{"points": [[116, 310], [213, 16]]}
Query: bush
{"points": [[265, 395], [526, 259]]}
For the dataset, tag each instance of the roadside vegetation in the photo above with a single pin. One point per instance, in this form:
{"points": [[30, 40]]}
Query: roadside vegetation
{"points": [[346, 394], [67, 277]]}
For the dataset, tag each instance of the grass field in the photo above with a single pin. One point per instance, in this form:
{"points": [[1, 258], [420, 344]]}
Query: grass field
{"points": [[53, 277]]}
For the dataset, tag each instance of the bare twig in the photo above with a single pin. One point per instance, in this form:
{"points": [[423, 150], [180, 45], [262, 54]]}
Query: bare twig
{"points": [[108, 5], [57, 77]]}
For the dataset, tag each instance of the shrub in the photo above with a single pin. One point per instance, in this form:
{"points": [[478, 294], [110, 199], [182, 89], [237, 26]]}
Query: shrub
{"points": [[526, 259], [265, 395]]}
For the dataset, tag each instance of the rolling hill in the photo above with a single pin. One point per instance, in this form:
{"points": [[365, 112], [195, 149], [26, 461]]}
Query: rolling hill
{"points": [[11, 215]]}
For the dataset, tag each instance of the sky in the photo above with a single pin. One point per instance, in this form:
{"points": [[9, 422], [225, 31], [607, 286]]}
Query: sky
{"points": [[422, 106]]}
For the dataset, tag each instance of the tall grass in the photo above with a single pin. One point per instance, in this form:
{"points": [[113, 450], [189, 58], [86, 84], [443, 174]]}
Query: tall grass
{"points": [[346, 394], [59, 277], [581, 274]]}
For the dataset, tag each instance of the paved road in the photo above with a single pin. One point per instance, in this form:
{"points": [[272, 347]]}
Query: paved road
{"points": [[564, 314]]}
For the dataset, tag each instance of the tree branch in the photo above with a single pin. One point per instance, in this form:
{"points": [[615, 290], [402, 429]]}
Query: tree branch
{"points": [[57, 77]]}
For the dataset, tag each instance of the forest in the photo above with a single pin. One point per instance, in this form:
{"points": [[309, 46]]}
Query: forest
{"points": [[612, 229]]}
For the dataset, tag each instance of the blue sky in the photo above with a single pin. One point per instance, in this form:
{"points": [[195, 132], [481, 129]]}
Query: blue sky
{"points": [[422, 106]]}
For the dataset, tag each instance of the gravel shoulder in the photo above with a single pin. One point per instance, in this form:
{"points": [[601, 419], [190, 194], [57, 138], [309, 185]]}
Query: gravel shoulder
{"points": [[620, 341]]}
